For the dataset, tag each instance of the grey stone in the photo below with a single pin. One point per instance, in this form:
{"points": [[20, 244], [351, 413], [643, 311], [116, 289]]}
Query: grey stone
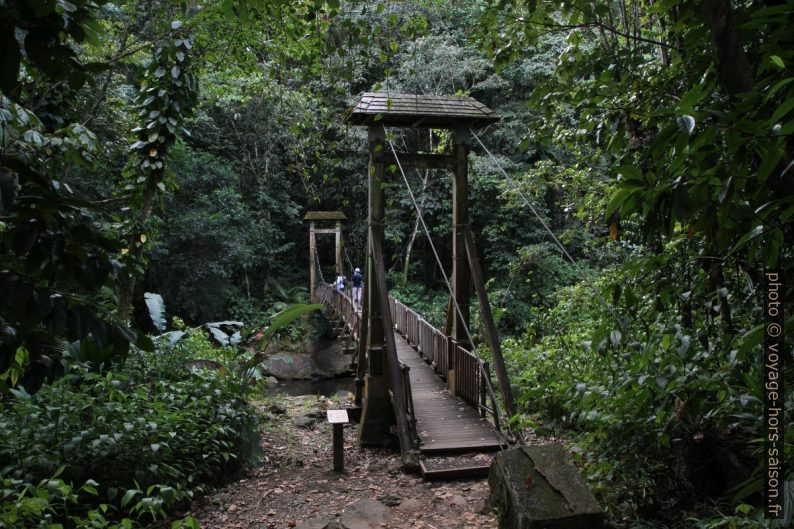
{"points": [[330, 359], [377, 466], [536, 487], [295, 461], [304, 421], [278, 408], [390, 500], [411, 505], [458, 500], [321, 522], [290, 366], [366, 514], [220, 498]]}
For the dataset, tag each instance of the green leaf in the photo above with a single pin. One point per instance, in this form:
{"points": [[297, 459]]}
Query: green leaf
{"points": [[630, 173], [156, 306], [686, 123], [128, 496], [288, 315], [780, 84], [777, 61], [783, 109], [684, 347]]}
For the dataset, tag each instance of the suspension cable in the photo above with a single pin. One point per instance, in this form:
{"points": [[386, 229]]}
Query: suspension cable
{"points": [[429, 239], [438, 259], [319, 268], [578, 268]]}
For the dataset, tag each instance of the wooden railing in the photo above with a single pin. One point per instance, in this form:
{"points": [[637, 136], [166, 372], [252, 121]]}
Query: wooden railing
{"points": [[471, 373], [430, 342], [342, 305], [409, 399]]}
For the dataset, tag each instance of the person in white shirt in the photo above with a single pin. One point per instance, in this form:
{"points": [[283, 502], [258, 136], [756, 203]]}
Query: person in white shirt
{"points": [[339, 282]]}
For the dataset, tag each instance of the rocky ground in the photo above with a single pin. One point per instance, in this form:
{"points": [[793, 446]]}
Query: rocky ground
{"points": [[297, 488]]}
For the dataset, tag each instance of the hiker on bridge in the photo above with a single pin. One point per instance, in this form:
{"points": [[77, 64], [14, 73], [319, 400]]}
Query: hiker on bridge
{"points": [[358, 282], [339, 282]]}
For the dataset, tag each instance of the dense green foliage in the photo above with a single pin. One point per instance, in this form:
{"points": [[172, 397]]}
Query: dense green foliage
{"points": [[143, 440], [688, 105], [151, 146]]}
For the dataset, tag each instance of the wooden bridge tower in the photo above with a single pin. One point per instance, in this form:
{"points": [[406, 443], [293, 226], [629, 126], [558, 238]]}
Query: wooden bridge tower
{"points": [[313, 217], [382, 393]]}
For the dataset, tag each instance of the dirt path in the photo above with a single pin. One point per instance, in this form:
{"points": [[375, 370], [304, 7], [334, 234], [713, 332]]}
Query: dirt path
{"points": [[297, 489]]}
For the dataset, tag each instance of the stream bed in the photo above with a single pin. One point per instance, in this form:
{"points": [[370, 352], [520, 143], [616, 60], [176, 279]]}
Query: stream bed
{"points": [[325, 387]]}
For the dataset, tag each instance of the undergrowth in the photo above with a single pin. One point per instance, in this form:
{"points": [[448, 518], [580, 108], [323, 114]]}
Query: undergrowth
{"points": [[123, 449]]}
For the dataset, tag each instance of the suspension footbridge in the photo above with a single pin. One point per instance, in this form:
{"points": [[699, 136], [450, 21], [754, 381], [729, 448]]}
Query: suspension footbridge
{"points": [[424, 386]]}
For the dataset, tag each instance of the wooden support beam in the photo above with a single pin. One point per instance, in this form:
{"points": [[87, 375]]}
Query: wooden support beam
{"points": [[491, 334], [377, 411], [361, 368], [410, 457], [450, 316], [460, 268], [338, 247], [312, 262], [422, 161]]}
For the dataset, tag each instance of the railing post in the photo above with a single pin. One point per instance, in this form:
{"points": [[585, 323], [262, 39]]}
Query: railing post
{"points": [[483, 388], [493, 401], [452, 346]]}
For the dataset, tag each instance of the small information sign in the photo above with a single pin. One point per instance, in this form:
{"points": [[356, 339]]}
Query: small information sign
{"points": [[337, 417]]}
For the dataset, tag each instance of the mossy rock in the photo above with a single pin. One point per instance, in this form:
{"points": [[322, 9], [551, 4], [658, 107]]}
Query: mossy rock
{"points": [[538, 487]]}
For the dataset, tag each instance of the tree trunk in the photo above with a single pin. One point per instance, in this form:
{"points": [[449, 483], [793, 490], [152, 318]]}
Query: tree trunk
{"points": [[127, 283], [732, 63], [415, 231]]}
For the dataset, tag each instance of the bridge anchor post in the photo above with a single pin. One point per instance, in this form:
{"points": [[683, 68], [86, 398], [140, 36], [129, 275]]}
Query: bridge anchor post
{"points": [[377, 415]]}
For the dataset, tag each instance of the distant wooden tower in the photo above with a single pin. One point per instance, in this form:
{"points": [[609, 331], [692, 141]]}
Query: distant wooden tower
{"points": [[459, 114], [323, 217]]}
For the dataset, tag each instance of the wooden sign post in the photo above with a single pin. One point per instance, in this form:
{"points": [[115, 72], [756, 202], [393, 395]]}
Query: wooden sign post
{"points": [[338, 418]]}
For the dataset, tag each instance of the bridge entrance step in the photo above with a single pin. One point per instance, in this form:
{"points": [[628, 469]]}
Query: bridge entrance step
{"points": [[457, 446], [466, 465]]}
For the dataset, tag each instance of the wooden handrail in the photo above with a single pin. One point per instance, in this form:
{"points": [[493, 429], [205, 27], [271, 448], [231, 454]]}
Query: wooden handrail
{"points": [[472, 375]]}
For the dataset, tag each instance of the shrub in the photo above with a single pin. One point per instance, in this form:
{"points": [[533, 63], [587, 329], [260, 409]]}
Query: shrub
{"points": [[143, 441], [663, 415]]}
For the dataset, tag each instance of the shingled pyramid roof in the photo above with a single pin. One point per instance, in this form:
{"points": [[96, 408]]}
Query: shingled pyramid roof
{"points": [[414, 110]]}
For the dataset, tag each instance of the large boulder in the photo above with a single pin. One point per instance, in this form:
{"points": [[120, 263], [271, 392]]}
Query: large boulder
{"points": [[291, 366], [538, 487], [331, 360]]}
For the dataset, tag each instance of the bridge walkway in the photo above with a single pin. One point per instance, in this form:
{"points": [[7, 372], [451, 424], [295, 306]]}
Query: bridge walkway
{"points": [[456, 432], [444, 422]]}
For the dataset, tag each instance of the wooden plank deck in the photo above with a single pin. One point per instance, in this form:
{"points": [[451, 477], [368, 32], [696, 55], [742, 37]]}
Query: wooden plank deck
{"points": [[445, 423]]}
